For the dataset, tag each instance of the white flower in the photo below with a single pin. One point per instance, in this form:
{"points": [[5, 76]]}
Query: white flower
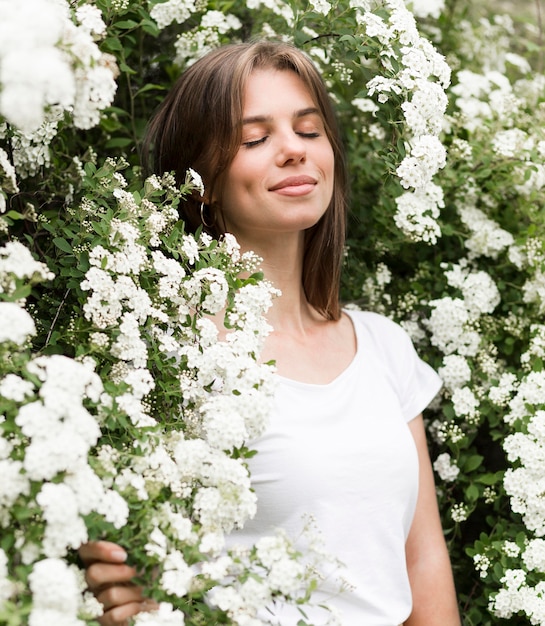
{"points": [[8, 178], [448, 324], [427, 156], [196, 180], [321, 6], [482, 564], [157, 544], [455, 371], [7, 586], [170, 283], [14, 483], [479, 291], [365, 105], [426, 8], [165, 615], [417, 213], [534, 555], [285, 575], [486, 237], [446, 468], [525, 484], [218, 21], [212, 543], [14, 387], [164, 13], [500, 394], [511, 143], [16, 325], [425, 111], [217, 569], [464, 402], [16, 260], [530, 391], [103, 307], [34, 73], [228, 599], [534, 290], [46, 60], [177, 575], [56, 590], [127, 480], [190, 248], [375, 26], [64, 527], [223, 422], [210, 283], [129, 345], [136, 410], [459, 512], [511, 548], [90, 19]]}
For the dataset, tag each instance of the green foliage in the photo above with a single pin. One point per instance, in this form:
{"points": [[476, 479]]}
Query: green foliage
{"points": [[63, 211]]}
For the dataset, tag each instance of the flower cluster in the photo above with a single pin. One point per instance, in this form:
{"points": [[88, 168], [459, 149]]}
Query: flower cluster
{"points": [[150, 336], [50, 60], [48, 428], [205, 36], [419, 79], [103, 446]]}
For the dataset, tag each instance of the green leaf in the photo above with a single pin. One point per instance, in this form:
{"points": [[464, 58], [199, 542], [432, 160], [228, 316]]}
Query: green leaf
{"points": [[126, 24], [119, 142], [15, 215], [472, 493], [150, 87], [62, 244], [472, 463]]}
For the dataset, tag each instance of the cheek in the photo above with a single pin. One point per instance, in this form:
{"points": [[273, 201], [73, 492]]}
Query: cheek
{"points": [[237, 188], [242, 178], [331, 160]]}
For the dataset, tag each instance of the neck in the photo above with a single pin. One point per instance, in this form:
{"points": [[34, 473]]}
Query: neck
{"points": [[283, 267]]}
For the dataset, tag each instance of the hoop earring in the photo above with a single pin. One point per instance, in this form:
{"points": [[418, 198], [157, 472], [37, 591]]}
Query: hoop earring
{"points": [[203, 220]]}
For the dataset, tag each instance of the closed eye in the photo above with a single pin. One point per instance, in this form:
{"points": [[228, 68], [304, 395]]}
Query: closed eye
{"points": [[309, 135], [255, 142]]}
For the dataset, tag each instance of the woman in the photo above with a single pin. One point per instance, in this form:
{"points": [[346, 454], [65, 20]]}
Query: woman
{"points": [[346, 442]]}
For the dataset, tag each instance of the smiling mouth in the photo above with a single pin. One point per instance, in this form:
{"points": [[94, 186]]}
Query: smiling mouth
{"points": [[295, 185]]}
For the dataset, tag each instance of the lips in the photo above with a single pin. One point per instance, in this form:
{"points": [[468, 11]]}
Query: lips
{"points": [[293, 181]]}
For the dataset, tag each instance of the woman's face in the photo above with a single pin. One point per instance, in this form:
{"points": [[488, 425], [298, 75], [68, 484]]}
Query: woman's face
{"points": [[281, 179]]}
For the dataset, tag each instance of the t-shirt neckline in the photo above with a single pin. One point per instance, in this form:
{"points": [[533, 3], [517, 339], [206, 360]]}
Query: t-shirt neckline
{"points": [[341, 376]]}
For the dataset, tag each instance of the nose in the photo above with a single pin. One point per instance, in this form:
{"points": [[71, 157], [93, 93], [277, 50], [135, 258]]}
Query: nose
{"points": [[292, 149]]}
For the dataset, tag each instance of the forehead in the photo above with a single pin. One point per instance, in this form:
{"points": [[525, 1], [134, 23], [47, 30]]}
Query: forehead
{"points": [[269, 90]]}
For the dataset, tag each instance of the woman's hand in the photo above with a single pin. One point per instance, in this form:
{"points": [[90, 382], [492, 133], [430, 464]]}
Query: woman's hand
{"points": [[110, 579]]}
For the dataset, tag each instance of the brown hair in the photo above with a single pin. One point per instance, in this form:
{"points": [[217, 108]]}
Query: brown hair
{"points": [[199, 125]]}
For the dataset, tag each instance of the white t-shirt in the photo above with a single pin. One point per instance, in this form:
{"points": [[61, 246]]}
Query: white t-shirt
{"points": [[343, 452]]}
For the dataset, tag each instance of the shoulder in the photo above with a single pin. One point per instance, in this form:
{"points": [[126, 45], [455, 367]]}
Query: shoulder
{"points": [[379, 327], [415, 382], [385, 337]]}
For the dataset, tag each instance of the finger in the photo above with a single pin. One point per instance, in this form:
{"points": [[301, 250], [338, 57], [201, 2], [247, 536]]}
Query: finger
{"points": [[119, 616], [118, 595], [102, 551], [98, 575]]}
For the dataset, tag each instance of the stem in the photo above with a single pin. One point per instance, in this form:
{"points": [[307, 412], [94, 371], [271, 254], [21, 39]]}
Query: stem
{"points": [[56, 317]]}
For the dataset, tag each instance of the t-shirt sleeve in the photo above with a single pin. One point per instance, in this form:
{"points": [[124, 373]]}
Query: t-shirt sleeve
{"points": [[424, 385], [415, 381]]}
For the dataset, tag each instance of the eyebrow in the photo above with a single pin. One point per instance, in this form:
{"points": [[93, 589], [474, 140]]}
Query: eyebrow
{"points": [[256, 119]]}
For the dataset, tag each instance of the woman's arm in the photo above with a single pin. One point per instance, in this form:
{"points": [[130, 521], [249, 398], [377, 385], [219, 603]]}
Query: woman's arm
{"points": [[109, 578], [430, 572]]}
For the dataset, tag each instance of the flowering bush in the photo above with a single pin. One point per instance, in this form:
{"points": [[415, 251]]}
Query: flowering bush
{"points": [[127, 415]]}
